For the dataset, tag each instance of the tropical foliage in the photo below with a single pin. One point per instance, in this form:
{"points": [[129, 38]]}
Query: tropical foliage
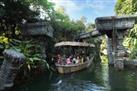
{"points": [[129, 7], [126, 7], [4, 40], [65, 28], [13, 13], [130, 42], [90, 27], [32, 54], [103, 50]]}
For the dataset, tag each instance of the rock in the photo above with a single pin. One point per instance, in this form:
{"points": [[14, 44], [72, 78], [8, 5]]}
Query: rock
{"points": [[12, 62], [119, 64]]}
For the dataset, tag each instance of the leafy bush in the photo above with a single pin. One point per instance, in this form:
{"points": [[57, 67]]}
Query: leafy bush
{"points": [[129, 7], [30, 50], [130, 42]]}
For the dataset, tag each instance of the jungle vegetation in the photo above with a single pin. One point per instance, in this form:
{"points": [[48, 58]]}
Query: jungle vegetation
{"points": [[129, 7], [14, 13]]}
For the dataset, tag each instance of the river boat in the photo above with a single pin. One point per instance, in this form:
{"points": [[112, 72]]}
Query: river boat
{"points": [[75, 48]]}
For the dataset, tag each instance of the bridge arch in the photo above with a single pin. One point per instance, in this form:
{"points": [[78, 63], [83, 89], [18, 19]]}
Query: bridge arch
{"points": [[115, 28]]}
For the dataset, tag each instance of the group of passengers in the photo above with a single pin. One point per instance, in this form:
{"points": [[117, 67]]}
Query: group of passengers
{"points": [[73, 59]]}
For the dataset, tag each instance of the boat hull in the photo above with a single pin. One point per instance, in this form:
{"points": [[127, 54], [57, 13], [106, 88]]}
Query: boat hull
{"points": [[74, 67]]}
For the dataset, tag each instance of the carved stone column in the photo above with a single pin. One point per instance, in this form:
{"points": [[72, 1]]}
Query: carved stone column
{"points": [[110, 51], [12, 62], [42, 42], [39, 31], [121, 52], [114, 27]]}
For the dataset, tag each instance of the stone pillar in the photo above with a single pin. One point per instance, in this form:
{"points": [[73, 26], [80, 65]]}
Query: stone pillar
{"points": [[42, 43], [39, 31], [115, 26], [110, 51], [12, 62], [121, 52]]}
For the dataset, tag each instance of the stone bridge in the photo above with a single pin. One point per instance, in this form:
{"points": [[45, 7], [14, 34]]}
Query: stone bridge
{"points": [[115, 28]]}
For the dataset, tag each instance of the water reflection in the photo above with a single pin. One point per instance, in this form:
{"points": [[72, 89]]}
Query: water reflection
{"points": [[123, 80], [78, 82], [99, 77]]}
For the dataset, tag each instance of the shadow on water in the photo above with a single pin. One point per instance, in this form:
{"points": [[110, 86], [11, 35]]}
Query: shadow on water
{"points": [[99, 77]]}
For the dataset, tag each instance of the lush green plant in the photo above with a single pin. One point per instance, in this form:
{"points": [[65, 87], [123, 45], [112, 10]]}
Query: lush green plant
{"points": [[63, 26], [4, 43], [129, 7], [103, 49], [90, 27], [30, 50], [4, 40], [15, 12], [126, 7], [130, 42]]}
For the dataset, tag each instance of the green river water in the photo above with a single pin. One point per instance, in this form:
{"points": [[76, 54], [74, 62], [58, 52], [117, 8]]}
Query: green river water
{"points": [[99, 77]]}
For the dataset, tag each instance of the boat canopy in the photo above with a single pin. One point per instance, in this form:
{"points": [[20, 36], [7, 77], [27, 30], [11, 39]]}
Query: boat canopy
{"points": [[69, 43]]}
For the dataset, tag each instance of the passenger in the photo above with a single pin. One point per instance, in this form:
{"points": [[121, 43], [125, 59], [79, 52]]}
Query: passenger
{"points": [[68, 61], [87, 58], [59, 59], [77, 60], [84, 59], [64, 59], [74, 60], [81, 60]]}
